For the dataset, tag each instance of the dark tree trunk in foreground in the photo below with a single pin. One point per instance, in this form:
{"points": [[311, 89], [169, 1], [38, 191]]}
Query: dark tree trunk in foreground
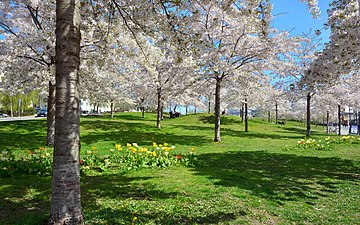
{"points": [[112, 109], [246, 116], [159, 104], [269, 116], [142, 109], [51, 116], [65, 199], [217, 110], [327, 122], [339, 119], [11, 107], [276, 113], [308, 126], [358, 122], [209, 107], [242, 112]]}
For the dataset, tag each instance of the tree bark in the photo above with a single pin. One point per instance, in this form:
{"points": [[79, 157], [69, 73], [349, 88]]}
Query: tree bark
{"points": [[51, 115], [112, 109], [209, 109], [349, 122], [276, 113], [162, 109], [65, 199], [186, 110], [158, 119], [358, 122], [246, 116], [11, 107], [339, 119], [242, 112], [142, 109], [19, 105], [327, 122], [217, 110], [308, 125], [195, 110], [269, 116]]}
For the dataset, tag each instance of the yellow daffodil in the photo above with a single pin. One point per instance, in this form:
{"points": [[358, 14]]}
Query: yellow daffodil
{"points": [[154, 145], [128, 145], [93, 148], [166, 144], [29, 151]]}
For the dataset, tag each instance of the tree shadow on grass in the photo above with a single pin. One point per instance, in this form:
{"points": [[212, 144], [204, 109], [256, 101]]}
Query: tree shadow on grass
{"points": [[22, 134], [302, 131], [140, 133], [225, 120], [25, 199], [127, 190], [253, 134], [279, 177]]}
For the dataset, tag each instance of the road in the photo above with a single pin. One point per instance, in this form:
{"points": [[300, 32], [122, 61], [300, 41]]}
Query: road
{"points": [[20, 118]]}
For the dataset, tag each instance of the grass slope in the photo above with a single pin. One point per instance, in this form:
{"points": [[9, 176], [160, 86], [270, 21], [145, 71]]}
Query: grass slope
{"points": [[248, 178]]}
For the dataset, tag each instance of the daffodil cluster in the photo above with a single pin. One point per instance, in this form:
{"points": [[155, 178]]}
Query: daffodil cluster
{"points": [[38, 161], [132, 156], [314, 144]]}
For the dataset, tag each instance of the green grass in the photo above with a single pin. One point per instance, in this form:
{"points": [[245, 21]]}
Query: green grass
{"points": [[249, 178]]}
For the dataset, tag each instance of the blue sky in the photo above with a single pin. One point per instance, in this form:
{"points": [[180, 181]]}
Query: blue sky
{"points": [[293, 15]]}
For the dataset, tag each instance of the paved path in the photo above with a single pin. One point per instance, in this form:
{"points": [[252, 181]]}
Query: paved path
{"points": [[20, 118]]}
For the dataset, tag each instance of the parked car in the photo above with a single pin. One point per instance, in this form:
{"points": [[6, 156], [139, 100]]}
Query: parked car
{"points": [[3, 115], [42, 112]]}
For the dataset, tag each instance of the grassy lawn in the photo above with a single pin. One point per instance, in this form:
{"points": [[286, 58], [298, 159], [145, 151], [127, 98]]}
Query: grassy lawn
{"points": [[258, 177]]}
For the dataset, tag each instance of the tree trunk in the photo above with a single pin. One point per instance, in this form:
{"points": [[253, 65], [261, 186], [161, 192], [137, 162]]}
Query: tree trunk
{"points": [[339, 119], [142, 112], [217, 111], [94, 107], [65, 199], [327, 122], [269, 116], [308, 127], [246, 116], [51, 116], [19, 105], [358, 122], [22, 106], [209, 109], [158, 120], [112, 109], [276, 113], [195, 110], [242, 112], [349, 122], [11, 107], [162, 109], [186, 110]]}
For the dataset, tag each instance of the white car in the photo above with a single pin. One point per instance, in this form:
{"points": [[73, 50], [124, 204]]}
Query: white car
{"points": [[3, 115]]}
